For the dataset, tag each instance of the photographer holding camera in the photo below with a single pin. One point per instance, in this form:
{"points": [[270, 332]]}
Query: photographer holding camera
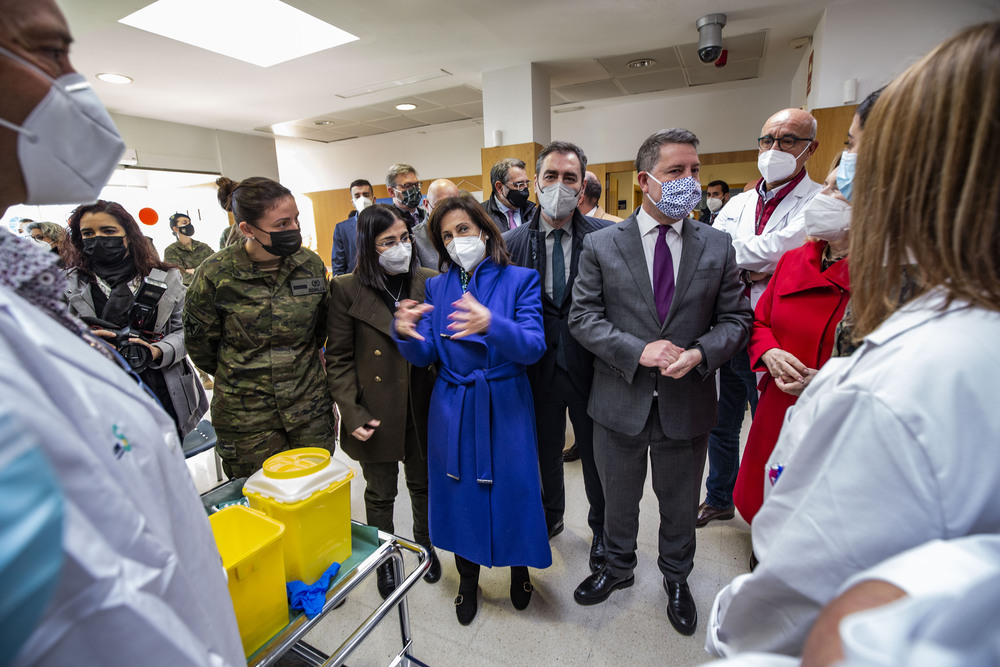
{"points": [[117, 285]]}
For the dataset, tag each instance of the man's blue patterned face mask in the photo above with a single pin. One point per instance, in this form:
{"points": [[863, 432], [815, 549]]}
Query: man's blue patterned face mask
{"points": [[678, 197]]}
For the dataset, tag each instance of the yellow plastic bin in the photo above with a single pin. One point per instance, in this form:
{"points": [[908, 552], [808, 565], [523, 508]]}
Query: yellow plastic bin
{"points": [[310, 493], [250, 545]]}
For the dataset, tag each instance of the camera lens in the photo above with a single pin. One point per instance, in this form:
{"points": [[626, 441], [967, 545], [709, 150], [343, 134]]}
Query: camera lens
{"points": [[138, 356]]}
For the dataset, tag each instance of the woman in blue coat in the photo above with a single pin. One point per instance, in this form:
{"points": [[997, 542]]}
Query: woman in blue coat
{"points": [[485, 495]]}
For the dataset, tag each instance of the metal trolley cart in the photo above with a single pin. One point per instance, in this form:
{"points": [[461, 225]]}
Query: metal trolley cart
{"points": [[371, 548]]}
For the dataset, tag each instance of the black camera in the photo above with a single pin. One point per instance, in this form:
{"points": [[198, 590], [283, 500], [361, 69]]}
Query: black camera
{"points": [[140, 323]]}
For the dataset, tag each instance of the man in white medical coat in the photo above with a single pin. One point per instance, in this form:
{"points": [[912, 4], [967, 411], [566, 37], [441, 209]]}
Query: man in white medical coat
{"points": [[132, 577]]}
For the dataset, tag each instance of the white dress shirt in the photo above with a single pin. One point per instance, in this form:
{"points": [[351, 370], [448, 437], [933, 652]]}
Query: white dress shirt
{"points": [[550, 241], [885, 450], [649, 230]]}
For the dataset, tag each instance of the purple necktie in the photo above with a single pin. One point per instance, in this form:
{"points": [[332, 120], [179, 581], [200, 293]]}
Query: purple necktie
{"points": [[663, 274], [510, 218]]}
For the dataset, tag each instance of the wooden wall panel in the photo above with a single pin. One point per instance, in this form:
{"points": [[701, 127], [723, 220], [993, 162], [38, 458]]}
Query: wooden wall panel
{"points": [[490, 156], [831, 132]]}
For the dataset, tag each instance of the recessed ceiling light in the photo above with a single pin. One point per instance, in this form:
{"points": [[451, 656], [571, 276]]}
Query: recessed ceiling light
{"points": [[322, 122], [108, 77], [406, 106], [567, 109], [640, 63], [251, 30]]}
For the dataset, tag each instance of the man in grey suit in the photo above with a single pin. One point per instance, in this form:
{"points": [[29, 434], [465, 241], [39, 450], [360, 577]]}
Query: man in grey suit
{"points": [[658, 300]]}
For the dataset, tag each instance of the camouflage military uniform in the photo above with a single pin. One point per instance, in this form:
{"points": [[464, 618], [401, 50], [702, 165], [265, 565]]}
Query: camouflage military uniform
{"points": [[260, 336], [187, 257]]}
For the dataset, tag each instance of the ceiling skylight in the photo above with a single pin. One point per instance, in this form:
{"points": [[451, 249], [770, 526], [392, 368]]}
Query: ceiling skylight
{"points": [[261, 32]]}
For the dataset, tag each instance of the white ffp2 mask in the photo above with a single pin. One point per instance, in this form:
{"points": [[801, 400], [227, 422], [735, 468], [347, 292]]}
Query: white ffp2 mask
{"points": [[466, 251], [827, 218], [67, 147]]}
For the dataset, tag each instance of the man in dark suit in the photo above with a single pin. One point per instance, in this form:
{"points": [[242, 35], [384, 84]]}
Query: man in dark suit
{"points": [[508, 205], [344, 256], [657, 299], [550, 242]]}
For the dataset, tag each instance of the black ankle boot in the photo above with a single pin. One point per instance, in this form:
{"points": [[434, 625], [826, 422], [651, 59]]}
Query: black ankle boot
{"points": [[467, 602], [385, 580], [520, 587]]}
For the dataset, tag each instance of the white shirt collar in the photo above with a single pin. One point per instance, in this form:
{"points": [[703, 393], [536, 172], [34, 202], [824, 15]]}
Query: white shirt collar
{"points": [[547, 229], [648, 223]]}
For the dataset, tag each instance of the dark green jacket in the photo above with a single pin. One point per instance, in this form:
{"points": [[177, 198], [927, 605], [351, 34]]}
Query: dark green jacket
{"points": [[187, 257], [261, 338]]}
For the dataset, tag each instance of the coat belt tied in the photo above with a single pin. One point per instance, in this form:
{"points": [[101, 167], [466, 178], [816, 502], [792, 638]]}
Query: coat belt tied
{"points": [[481, 411]]}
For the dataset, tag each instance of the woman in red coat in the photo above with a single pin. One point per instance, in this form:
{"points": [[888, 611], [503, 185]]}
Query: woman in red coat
{"points": [[793, 331]]}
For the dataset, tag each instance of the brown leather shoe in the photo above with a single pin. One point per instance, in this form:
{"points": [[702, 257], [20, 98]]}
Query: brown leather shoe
{"points": [[707, 513]]}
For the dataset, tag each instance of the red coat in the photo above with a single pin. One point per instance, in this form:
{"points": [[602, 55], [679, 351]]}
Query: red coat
{"points": [[798, 312]]}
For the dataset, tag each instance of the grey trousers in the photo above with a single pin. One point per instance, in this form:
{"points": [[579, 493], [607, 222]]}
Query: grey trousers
{"points": [[380, 491], [677, 467]]}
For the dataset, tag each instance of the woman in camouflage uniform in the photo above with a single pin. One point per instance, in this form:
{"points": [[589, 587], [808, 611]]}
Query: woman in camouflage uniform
{"points": [[256, 319]]}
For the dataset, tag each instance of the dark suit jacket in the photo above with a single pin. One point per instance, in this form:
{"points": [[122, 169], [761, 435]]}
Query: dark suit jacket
{"points": [[614, 316], [526, 244], [368, 377], [493, 209], [344, 257]]}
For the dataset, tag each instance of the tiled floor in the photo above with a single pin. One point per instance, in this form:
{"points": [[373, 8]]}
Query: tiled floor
{"points": [[630, 628]]}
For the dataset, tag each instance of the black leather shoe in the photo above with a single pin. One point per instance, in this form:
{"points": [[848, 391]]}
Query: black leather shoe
{"points": [[597, 587], [597, 553], [571, 454], [467, 602], [556, 528], [680, 607], [708, 513], [520, 587], [385, 580], [433, 574]]}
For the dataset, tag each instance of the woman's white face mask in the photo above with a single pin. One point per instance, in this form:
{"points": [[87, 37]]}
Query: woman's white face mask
{"points": [[467, 251]]}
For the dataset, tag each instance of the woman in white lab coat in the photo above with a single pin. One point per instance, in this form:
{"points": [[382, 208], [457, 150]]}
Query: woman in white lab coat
{"points": [[898, 443]]}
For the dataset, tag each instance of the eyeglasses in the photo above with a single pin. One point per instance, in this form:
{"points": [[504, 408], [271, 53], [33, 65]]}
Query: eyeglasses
{"points": [[520, 185], [407, 186], [786, 143], [385, 245]]}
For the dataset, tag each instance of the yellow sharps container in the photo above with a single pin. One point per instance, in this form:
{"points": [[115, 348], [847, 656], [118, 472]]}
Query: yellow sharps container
{"points": [[310, 493]]}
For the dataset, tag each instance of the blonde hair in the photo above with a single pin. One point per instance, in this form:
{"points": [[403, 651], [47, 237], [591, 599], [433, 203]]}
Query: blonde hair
{"points": [[927, 188]]}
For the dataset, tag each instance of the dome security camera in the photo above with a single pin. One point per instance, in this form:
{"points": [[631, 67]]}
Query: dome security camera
{"points": [[710, 37]]}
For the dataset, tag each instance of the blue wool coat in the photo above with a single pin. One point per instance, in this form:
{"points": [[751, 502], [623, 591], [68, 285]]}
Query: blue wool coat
{"points": [[485, 500]]}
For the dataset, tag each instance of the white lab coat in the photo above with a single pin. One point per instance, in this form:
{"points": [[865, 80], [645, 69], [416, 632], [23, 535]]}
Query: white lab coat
{"points": [[142, 582], [886, 449], [785, 230], [947, 619]]}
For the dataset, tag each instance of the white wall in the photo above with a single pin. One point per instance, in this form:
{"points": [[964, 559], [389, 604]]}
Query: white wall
{"points": [[873, 41], [242, 156]]}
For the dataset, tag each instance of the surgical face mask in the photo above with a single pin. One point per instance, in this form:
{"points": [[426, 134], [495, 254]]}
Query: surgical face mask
{"points": [[467, 251], [517, 198], [713, 204], [67, 147], [361, 203], [678, 197], [186, 230], [845, 174], [827, 218], [105, 250], [284, 243], [410, 198], [396, 259], [558, 200], [776, 166]]}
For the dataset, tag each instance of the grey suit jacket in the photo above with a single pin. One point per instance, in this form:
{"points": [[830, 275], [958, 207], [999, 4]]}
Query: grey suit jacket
{"points": [[614, 316]]}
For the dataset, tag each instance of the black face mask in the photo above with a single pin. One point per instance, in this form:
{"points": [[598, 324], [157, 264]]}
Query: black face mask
{"points": [[517, 198], [186, 230], [105, 250], [283, 243]]}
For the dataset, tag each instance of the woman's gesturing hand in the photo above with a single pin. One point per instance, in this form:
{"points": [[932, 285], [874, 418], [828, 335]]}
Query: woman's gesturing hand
{"points": [[470, 317], [408, 315]]}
